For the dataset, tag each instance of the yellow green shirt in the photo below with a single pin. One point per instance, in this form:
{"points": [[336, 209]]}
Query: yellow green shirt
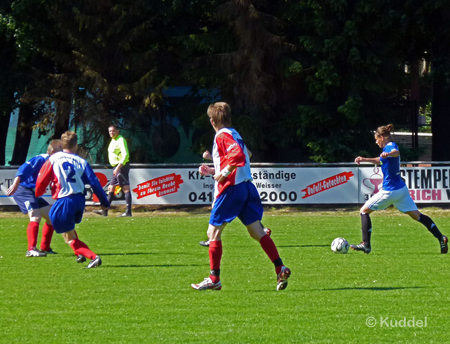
{"points": [[118, 151]]}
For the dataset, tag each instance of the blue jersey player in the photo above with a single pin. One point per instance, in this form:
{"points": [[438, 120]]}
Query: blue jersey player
{"points": [[393, 192], [22, 190], [68, 174]]}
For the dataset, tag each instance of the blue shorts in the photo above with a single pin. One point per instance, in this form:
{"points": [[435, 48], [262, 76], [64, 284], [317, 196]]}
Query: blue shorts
{"points": [[242, 201], [27, 200], [66, 212]]}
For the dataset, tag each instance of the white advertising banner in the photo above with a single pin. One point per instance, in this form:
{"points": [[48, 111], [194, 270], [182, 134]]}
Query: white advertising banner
{"points": [[275, 186], [289, 185], [425, 184]]}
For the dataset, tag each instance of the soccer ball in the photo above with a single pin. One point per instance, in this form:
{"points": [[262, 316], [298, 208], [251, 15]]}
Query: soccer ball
{"points": [[340, 245]]}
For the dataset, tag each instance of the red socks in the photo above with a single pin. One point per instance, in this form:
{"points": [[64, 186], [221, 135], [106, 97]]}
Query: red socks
{"points": [[269, 247], [80, 247], [47, 234], [32, 234], [215, 256]]}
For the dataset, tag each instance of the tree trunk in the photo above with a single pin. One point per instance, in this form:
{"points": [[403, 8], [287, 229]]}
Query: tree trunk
{"points": [[5, 116], [23, 135], [62, 117]]}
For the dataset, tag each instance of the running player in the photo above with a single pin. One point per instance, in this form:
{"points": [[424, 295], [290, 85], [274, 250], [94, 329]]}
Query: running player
{"points": [[235, 196], [394, 191], [68, 174], [22, 190]]}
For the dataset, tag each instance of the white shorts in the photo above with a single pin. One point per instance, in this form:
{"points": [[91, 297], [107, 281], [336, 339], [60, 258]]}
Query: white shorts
{"points": [[400, 198]]}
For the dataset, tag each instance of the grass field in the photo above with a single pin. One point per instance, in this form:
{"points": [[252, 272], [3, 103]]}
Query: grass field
{"points": [[142, 294]]}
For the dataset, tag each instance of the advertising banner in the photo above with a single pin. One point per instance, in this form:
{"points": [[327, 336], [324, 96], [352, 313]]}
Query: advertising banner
{"points": [[289, 185], [425, 184]]}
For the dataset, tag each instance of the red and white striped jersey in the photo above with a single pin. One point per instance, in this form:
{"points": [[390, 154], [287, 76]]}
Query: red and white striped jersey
{"points": [[68, 174], [229, 149]]}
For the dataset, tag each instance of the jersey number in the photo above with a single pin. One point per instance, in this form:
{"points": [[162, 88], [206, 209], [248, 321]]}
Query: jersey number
{"points": [[67, 166]]}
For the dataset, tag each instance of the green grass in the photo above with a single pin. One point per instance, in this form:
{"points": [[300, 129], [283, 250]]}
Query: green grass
{"points": [[142, 294]]}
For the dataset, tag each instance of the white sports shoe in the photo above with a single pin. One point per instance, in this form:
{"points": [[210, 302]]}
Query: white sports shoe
{"points": [[35, 253], [207, 284]]}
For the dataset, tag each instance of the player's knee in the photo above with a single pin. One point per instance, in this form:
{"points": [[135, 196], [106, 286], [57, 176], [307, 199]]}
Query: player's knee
{"points": [[36, 219], [213, 233]]}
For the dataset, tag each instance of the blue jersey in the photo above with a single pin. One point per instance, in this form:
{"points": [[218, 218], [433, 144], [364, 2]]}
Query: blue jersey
{"points": [[391, 169], [29, 171]]}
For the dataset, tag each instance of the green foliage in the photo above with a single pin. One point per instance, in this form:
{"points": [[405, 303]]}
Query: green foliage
{"points": [[311, 76]]}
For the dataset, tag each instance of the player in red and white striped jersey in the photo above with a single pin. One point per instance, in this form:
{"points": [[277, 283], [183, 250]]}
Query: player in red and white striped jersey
{"points": [[235, 196], [68, 174]]}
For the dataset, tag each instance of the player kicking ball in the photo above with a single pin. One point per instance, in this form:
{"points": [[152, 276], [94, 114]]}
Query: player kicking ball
{"points": [[394, 191], [68, 174], [235, 196]]}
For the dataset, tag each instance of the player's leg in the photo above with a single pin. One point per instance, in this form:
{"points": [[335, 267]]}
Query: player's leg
{"points": [[256, 231], [251, 215], [379, 201], [406, 205], [64, 214], [47, 231], [366, 230], [225, 209], [124, 182], [109, 195], [432, 228], [81, 249], [32, 233], [27, 202], [215, 256]]}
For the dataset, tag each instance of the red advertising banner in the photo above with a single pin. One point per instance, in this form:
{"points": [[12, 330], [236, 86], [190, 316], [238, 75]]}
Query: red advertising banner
{"points": [[159, 186]]}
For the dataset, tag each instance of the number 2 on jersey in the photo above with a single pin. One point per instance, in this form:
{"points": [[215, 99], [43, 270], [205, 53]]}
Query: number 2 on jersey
{"points": [[67, 166]]}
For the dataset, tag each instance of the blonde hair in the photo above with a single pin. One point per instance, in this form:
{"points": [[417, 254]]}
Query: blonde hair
{"points": [[69, 140], [220, 113], [54, 147], [385, 130]]}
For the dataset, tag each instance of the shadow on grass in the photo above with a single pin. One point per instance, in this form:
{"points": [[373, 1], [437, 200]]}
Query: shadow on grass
{"points": [[370, 288], [127, 254], [303, 245], [150, 266]]}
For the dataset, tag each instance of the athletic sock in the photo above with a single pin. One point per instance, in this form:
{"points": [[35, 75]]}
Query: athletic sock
{"points": [[47, 234], [110, 197], [80, 247], [215, 256], [366, 228], [32, 234], [128, 202], [269, 247], [428, 222]]}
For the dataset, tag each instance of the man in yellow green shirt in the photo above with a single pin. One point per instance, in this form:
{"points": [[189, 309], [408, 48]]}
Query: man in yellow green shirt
{"points": [[119, 158]]}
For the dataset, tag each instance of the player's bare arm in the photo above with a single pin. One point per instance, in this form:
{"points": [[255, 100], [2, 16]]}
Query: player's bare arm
{"points": [[205, 170], [207, 155], [222, 176], [360, 159], [13, 188]]}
